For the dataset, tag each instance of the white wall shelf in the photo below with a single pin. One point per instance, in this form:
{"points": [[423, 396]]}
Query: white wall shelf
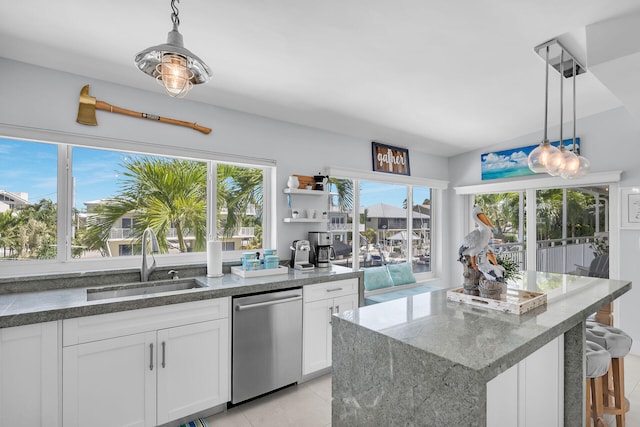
{"points": [[303, 191], [305, 220]]}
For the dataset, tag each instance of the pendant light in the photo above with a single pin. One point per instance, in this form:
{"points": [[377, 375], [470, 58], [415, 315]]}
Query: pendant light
{"points": [[563, 162], [563, 158], [540, 156], [171, 64]]}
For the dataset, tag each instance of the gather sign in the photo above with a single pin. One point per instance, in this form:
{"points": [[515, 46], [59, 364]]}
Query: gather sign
{"points": [[389, 159]]}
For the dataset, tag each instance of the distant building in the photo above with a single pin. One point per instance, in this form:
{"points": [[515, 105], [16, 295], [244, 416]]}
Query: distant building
{"points": [[121, 241], [10, 200]]}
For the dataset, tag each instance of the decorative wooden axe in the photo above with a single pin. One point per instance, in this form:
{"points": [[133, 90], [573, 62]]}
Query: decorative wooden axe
{"points": [[88, 106]]}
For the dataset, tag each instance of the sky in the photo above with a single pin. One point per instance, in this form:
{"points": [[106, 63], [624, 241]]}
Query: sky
{"points": [[30, 167]]}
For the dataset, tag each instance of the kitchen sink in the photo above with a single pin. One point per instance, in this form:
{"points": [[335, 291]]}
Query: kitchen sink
{"points": [[144, 288]]}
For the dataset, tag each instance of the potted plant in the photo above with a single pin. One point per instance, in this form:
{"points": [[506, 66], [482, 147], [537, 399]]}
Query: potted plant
{"points": [[494, 277]]}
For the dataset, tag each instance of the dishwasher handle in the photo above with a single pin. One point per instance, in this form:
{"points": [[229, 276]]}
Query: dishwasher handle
{"points": [[240, 307]]}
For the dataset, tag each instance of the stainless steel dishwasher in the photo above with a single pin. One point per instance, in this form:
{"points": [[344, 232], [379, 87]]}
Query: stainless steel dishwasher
{"points": [[266, 343]]}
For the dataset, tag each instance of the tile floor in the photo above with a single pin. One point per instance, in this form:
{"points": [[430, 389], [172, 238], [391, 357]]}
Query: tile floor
{"points": [[309, 404], [303, 405]]}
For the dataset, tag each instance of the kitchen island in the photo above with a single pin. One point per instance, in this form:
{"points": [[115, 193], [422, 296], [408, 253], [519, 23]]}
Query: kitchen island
{"points": [[424, 360]]}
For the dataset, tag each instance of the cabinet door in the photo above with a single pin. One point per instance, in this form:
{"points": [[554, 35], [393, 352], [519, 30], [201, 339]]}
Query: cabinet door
{"points": [[110, 382], [541, 385], [193, 368], [29, 375], [515, 396], [316, 333], [340, 304]]}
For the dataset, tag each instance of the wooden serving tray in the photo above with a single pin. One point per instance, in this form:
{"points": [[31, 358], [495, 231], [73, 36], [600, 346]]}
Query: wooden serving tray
{"points": [[514, 301]]}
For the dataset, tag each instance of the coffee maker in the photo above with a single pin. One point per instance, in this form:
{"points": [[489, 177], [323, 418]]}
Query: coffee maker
{"points": [[321, 249], [300, 254]]}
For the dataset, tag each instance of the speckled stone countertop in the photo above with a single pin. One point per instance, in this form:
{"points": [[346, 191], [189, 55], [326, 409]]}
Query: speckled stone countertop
{"points": [[458, 348], [61, 301]]}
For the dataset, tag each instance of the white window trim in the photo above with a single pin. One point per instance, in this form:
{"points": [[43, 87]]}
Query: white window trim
{"points": [[65, 142], [598, 178], [437, 187], [529, 186], [388, 178]]}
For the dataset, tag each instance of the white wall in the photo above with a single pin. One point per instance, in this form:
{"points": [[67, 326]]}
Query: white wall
{"points": [[34, 99], [610, 141]]}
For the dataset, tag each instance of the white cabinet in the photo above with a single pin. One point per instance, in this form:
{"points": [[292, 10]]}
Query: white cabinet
{"points": [[320, 302], [146, 367], [29, 375], [530, 393]]}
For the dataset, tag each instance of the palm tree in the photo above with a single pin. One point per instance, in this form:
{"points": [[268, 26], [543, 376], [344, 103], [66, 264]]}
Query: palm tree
{"points": [[239, 188], [161, 194], [344, 188], [34, 231], [502, 209], [8, 222]]}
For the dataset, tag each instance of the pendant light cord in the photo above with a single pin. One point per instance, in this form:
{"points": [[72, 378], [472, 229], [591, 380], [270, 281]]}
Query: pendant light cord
{"points": [[546, 94], [574, 107], [561, 97]]}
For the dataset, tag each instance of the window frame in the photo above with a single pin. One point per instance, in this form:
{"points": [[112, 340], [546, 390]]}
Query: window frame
{"points": [[531, 186], [65, 263], [437, 234]]}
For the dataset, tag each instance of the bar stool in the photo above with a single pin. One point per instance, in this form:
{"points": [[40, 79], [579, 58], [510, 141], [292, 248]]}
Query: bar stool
{"points": [[598, 361], [618, 344]]}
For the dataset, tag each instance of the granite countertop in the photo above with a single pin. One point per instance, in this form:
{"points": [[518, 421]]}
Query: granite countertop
{"points": [[484, 340], [22, 308]]}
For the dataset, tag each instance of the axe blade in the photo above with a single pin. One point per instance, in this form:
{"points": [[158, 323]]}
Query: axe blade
{"points": [[87, 108]]}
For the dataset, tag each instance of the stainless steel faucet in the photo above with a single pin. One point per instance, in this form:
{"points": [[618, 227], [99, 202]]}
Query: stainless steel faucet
{"points": [[145, 271]]}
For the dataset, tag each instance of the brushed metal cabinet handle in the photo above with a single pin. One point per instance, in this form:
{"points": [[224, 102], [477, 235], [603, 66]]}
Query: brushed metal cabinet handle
{"points": [[163, 358], [334, 289], [151, 357]]}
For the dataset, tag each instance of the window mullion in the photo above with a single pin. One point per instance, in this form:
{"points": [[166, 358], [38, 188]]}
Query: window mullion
{"points": [[355, 226], [65, 201], [212, 200]]}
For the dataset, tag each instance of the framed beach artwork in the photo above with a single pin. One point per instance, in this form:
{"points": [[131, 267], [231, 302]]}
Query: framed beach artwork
{"points": [[513, 162]]}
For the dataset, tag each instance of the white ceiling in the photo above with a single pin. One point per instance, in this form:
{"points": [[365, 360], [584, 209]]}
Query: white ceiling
{"points": [[438, 76]]}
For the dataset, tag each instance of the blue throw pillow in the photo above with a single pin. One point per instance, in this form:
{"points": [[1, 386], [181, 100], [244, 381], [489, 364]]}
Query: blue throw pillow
{"points": [[376, 278], [401, 274]]}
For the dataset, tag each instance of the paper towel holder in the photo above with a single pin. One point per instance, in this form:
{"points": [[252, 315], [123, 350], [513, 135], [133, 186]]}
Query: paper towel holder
{"points": [[214, 266]]}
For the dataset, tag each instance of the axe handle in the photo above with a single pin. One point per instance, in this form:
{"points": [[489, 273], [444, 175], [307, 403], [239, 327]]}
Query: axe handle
{"points": [[101, 105]]}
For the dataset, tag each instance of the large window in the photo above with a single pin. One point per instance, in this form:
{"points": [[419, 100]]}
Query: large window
{"points": [[109, 198], [571, 226], [391, 225]]}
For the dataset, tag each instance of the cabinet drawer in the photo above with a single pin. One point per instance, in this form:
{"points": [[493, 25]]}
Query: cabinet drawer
{"points": [[333, 289], [103, 326]]}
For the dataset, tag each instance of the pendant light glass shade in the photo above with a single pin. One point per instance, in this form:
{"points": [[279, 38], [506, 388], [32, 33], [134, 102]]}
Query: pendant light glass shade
{"points": [[540, 157], [173, 66], [560, 161]]}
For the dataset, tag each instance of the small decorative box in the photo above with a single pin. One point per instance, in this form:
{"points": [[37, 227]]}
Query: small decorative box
{"points": [[271, 261]]}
